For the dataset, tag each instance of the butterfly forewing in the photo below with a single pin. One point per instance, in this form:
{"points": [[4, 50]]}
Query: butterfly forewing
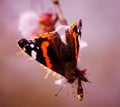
{"points": [[45, 50]]}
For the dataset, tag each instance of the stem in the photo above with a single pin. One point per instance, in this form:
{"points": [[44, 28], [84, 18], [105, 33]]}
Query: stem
{"points": [[59, 12]]}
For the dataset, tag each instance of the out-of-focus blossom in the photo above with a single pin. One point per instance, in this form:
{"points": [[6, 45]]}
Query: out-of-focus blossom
{"points": [[45, 18], [83, 44], [28, 24], [47, 22]]}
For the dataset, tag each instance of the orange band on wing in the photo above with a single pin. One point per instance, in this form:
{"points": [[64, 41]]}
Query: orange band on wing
{"points": [[44, 47], [73, 33], [44, 35], [76, 48]]}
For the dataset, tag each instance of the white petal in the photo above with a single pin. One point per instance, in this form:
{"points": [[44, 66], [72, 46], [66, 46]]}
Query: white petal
{"points": [[61, 30], [61, 82], [83, 44]]}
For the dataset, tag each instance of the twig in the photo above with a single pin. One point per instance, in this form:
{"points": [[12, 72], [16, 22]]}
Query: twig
{"points": [[59, 12]]}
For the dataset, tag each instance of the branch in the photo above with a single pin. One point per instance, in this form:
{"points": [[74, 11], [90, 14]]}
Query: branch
{"points": [[59, 12]]}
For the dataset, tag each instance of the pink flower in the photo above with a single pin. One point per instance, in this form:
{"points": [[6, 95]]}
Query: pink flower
{"points": [[45, 18]]}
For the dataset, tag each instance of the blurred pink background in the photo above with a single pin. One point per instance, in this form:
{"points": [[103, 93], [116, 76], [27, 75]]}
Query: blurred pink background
{"points": [[22, 83]]}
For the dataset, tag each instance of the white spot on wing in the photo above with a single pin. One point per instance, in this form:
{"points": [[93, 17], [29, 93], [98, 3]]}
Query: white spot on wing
{"points": [[78, 30], [33, 54], [24, 49], [32, 45], [37, 47]]}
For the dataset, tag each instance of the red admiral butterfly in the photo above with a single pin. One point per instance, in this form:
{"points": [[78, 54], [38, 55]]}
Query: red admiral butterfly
{"points": [[52, 52]]}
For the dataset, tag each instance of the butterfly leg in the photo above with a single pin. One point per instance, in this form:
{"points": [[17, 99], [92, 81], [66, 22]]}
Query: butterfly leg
{"points": [[47, 74], [79, 90]]}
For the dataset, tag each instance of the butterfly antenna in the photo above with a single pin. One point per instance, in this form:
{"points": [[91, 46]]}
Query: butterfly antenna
{"points": [[79, 27]]}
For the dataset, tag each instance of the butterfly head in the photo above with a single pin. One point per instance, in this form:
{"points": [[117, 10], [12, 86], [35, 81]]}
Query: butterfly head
{"points": [[79, 27]]}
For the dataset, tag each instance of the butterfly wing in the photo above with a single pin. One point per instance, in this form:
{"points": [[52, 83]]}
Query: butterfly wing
{"points": [[72, 38], [49, 50], [45, 49]]}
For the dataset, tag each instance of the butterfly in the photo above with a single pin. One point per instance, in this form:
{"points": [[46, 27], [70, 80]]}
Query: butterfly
{"points": [[61, 57]]}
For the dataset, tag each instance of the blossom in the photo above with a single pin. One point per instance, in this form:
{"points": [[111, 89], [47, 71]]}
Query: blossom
{"points": [[31, 24], [61, 31], [28, 24], [47, 22]]}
